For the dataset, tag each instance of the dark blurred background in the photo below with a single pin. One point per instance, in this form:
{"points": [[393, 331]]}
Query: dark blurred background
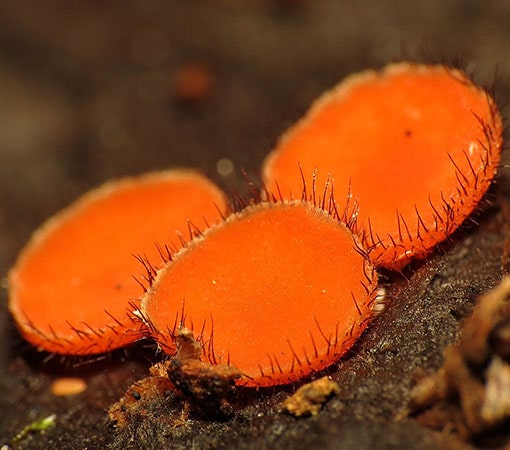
{"points": [[94, 90]]}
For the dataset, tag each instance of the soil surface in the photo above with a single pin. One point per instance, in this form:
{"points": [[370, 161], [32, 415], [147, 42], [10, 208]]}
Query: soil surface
{"points": [[91, 91]]}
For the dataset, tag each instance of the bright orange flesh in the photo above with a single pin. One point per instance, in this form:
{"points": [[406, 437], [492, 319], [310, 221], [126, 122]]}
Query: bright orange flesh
{"points": [[71, 286], [270, 291], [421, 143]]}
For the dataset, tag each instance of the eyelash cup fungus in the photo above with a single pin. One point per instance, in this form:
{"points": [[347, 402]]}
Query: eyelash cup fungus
{"points": [[70, 289], [416, 145], [279, 290]]}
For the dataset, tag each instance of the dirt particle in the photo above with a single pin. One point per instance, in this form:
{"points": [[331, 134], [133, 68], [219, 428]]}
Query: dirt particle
{"points": [[309, 399], [66, 386]]}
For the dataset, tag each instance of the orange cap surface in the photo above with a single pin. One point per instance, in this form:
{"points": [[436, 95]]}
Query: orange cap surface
{"points": [[417, 145], [70, 289], [278, 290]]}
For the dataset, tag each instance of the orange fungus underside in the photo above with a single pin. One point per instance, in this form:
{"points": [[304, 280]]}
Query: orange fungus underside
{"points": [[278, 290], [70, 289], [417, 145]]}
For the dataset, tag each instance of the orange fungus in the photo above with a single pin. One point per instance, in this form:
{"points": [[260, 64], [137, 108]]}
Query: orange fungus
{"points": [[416, 145], [278, 290], [70, 289]]}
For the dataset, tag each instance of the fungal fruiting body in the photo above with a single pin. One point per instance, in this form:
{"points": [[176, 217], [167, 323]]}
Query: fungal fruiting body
{"points": [[417, 146], [70, 289], [278, 290]]}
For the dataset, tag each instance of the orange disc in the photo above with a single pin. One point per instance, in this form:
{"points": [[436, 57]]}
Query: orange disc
{"points": [[278, 290], [417, 146], [70, 289]]}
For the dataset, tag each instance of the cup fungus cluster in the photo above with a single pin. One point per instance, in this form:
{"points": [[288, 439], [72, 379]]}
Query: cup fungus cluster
{"points": [[285, 286]]}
